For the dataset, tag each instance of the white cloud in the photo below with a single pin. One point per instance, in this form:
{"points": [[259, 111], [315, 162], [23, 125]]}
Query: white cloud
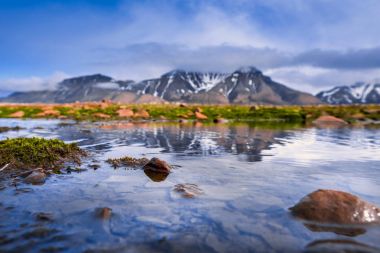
{"points": [[32, 82], [314, 79]]}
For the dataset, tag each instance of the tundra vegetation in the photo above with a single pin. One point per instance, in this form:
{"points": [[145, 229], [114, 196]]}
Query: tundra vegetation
{"points": [[23, 156], [96, 111]]}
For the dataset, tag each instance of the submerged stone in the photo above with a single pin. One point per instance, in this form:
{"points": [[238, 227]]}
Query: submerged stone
{"points": [[35, 178], [103, 213], [157, 165], [188, 190], [336, 207]]}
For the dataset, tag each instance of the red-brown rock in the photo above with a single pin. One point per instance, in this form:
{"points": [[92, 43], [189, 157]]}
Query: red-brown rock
{"points": [[329, 121], [200, 116], [18, 114], [157, 165], [336, 207], [125, 113]]}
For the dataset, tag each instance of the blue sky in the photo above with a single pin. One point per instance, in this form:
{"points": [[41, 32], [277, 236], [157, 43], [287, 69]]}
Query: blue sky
{"points": [[308, 45]]}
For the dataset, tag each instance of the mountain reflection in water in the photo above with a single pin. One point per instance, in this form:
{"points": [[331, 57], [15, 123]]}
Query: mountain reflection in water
{"points": [[229, 191]]}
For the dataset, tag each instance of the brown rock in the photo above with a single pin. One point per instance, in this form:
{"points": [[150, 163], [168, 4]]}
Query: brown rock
{"points": [[35, 178], [157, 165], [104, 213], [142, 114], [156, 176], [101, 115], [18, 114], [125, 113], [329, 121], [336, 207], [49, 113], [188, 190], [200, 116]]}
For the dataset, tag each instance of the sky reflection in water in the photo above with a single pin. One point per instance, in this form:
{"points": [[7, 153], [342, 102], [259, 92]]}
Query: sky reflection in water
{"points": [[249, 177]]}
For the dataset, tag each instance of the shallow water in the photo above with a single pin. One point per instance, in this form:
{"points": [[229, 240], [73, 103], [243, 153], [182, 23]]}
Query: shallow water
{"points": [[249, 177]]}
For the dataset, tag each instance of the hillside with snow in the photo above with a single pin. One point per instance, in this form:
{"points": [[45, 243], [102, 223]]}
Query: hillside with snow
{"points": [[358, 93]]}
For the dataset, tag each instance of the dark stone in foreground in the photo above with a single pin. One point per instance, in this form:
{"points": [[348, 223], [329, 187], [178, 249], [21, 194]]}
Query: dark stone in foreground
{"points": [[156, 176], [336, 207], [157, 165], [35, 178]]}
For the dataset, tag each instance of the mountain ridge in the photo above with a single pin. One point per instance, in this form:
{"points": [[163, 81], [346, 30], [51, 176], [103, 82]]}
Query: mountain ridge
{"points": [[246, 85], [357, 93]]}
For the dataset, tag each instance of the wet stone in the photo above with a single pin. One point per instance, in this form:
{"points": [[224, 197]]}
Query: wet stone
{"points": [[188, 190], [41, 216], [103, 213], [157, 165], [35, 178], [336, 207]]}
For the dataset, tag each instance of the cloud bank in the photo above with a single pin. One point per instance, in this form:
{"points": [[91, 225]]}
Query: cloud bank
{"points": [[308, 45]]}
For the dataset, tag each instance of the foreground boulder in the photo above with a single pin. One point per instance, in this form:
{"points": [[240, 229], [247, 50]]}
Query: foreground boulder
{"points": [[157, 165], [329, 121], [35, 178], [336, 207]]}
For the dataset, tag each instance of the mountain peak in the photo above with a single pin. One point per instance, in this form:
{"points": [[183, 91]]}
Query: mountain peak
{"points": [[248, 69], [86, 80]]}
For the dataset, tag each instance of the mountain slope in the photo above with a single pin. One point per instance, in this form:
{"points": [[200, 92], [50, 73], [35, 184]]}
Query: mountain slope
{"points": [[243, 86], [358, 93]]}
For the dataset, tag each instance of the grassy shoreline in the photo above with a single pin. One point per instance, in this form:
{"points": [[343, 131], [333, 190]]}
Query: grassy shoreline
{"points": [[100, 111]]}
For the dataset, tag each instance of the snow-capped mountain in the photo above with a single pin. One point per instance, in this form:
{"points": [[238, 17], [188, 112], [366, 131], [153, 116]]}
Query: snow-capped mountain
{"points": [[245, 85], [358, 93], [177, 84]]}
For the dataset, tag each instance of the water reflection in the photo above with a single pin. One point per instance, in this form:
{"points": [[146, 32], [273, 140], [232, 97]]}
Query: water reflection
{"points": [[230, 205], [338, 246], [340, 230], [184, 139], [156, 176]]}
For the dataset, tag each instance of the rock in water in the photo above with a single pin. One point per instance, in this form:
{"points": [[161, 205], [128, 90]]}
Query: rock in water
{"points": [[157, 165], [188, 190], [156, 176], [103, 213], [336, 207], [36, 177], [329, 121]]}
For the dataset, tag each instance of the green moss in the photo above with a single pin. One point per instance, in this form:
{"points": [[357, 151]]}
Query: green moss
{"points": [[295, 114], [26, 153], [127, 161]]}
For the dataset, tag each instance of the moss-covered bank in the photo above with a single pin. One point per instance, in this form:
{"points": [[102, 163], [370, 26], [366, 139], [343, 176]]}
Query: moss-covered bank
{"points": [[207, 113], [30, 153]]}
